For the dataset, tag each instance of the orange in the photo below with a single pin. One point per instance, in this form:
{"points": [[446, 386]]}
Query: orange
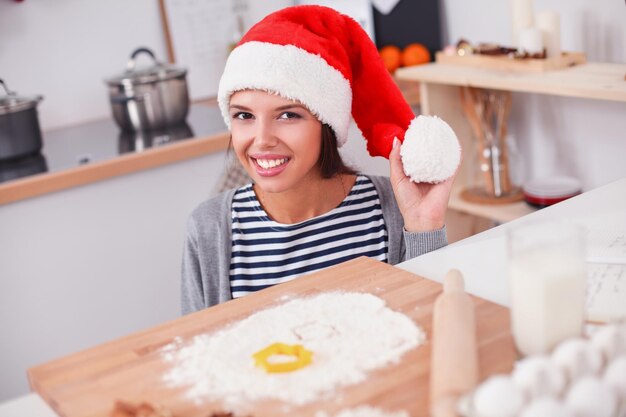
{"points": [[392, 57], [415, 54]]}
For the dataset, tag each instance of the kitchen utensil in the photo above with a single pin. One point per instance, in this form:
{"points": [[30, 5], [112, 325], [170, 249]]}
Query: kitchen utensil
{"points": [[149, 98], [454, 358], [487, 112], [20, 134], [89, 382]]}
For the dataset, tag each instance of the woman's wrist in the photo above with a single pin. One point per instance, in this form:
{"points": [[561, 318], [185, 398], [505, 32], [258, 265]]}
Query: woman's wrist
{"points": [[423, 225]]}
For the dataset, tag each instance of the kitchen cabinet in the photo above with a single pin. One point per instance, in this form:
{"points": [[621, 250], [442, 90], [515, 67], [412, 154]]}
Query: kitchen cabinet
{"points": [[90, 263]]}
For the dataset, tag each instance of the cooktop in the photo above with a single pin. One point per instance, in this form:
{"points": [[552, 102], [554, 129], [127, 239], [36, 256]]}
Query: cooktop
{"points": [[103, 140]]}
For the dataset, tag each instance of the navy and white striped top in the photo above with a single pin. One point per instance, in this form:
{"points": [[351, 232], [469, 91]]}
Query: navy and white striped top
{"points": [[265, 253]]}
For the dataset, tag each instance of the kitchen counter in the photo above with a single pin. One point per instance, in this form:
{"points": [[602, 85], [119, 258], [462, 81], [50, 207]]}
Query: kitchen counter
{"points": [[98, 150], [481, 258]]}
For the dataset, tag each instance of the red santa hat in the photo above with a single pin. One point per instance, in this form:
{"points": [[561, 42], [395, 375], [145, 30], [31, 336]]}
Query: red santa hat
{"points": [[326, 61]]}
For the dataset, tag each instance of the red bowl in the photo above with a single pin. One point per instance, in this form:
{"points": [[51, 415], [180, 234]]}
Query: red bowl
{"points": [[546, 201]]}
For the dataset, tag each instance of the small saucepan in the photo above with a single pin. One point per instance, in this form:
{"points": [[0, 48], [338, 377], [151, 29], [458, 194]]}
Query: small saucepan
{"points": [[149, 98], [20, 134]]}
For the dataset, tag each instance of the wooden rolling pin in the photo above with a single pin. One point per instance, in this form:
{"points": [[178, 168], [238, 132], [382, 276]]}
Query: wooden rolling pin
{"points": [[454, 357]]}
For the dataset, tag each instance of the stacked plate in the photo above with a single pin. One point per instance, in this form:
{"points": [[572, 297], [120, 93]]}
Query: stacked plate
{"points": [[543, 192]]}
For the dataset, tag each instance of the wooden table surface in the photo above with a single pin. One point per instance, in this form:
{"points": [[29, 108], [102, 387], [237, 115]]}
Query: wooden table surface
{"points": [[88, 383]]}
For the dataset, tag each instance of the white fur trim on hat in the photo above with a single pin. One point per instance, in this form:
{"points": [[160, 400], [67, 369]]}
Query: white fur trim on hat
{"points": [[292, 73], [430, 151]]}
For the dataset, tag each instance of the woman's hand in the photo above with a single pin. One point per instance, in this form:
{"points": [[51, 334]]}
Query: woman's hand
{"points": [[423, 205]]}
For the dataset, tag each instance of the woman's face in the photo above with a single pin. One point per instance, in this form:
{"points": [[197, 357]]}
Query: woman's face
{"points": [[277, 140]]}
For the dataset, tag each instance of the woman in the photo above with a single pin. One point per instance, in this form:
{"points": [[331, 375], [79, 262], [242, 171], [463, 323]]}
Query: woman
{"points": [[287, 93]]}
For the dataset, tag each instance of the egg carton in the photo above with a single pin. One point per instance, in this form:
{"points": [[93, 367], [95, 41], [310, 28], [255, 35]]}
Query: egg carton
{"points": [[582, 377]]}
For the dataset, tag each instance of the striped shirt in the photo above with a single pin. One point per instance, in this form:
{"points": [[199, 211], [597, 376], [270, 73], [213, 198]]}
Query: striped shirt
{"points": [[265, 253]]}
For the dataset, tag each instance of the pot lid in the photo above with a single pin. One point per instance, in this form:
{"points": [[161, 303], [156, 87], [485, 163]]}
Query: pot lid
{"points": [[158, 71], [10, 102]]}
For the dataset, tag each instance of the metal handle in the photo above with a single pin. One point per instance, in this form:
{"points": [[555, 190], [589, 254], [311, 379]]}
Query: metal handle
{"points": [[6, 89], [130, 66]]}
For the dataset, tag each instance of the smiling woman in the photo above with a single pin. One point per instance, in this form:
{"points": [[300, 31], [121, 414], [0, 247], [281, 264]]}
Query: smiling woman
{"points": [[288, 93]]}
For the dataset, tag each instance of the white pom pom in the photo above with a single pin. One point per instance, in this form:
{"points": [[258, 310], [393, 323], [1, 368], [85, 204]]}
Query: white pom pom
{"points": [[430, 151]]}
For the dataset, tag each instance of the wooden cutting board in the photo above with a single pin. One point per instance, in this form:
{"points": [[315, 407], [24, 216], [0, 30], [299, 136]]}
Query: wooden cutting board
{"points": [[88, 383]]}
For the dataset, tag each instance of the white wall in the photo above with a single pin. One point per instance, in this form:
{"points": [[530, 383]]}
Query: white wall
{"points": [[555, 135], [65, 49]]}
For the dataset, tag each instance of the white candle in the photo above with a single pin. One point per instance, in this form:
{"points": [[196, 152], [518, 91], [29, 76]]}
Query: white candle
{"points": [[530, 40], [549, 24], [522, 17]]}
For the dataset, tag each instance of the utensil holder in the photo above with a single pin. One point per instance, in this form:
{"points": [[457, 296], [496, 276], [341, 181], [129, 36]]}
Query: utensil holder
{"points": [[487, 112]]}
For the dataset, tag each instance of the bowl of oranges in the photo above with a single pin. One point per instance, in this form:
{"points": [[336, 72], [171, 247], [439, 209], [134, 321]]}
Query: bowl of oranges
{"points": [[413, 54]]}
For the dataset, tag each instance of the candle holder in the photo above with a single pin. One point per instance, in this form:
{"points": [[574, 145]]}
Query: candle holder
{"points": [[487, 112]]}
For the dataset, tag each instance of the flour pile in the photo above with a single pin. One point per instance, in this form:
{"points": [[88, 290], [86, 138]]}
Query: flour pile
{"points": [[349, 334]]}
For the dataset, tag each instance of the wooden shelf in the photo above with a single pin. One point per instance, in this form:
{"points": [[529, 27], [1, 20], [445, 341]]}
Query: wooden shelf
{"points": [[500, 213], [439, 95], [602, 81]]}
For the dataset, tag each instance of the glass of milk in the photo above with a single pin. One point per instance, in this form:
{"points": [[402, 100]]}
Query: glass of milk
{"points": [[547, 277]]}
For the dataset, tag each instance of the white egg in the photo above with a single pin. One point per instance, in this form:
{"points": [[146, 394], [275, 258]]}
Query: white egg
{"points": [[547, 407], [498, 396], [539, 376], [577, 357], [615, 376], [591, 397], [610, 340]]}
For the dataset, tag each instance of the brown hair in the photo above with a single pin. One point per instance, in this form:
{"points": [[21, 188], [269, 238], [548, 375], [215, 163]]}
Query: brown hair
{"points": [[330, 161]]}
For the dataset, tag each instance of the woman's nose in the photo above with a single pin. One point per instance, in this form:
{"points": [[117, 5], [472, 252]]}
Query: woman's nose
{"points": [[264, 135]]}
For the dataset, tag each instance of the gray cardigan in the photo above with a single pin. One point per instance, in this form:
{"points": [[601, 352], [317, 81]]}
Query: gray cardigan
{"points": [[207, 249]]}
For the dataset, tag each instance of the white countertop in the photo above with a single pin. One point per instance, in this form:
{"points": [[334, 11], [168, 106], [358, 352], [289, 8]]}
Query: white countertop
{"points": [[482, 257], [30, 405]]}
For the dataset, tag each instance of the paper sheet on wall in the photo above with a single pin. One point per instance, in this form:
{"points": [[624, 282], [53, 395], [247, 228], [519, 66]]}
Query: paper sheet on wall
{"points": [[201, 33]]}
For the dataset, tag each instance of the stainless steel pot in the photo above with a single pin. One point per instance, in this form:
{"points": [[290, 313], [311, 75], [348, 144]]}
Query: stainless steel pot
{"points": [[149, 98], [20, 134]]}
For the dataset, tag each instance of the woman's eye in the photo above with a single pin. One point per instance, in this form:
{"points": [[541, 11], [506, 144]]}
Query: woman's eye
{"points": [[242, 115], [289, 115]]}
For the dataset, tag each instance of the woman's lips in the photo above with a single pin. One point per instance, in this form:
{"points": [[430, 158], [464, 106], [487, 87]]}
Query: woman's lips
{"points": [[269, 165]]}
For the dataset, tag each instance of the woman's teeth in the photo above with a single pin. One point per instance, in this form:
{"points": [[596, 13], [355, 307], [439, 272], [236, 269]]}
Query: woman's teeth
{"points": [[271, 163]]}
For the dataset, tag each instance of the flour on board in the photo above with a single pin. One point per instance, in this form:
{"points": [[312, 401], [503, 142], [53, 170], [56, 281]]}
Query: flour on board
{"points": [[349, 334]]}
